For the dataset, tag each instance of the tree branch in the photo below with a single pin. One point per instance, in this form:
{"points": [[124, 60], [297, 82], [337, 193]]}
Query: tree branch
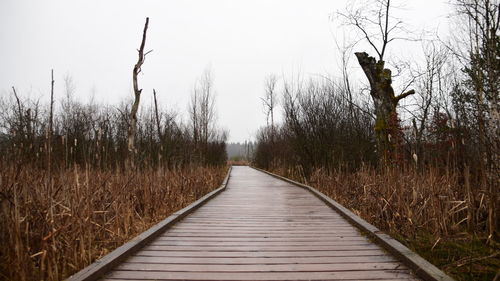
{"points": [[404, 95]]}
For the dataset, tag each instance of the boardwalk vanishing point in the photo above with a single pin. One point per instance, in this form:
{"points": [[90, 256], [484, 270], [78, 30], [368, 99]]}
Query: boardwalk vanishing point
{"points": [[258, 227]]}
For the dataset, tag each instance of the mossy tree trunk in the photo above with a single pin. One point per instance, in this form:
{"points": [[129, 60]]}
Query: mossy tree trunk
{"points": [[385, 102]]}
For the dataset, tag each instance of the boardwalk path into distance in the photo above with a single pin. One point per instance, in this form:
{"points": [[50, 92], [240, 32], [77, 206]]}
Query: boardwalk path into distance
{"points": [[261, 228]]}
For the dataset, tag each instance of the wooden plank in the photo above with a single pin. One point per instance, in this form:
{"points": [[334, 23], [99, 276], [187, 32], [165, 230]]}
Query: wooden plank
{"points": [[273, 226], [101, 266], [254, 243], [254, 217], [336, 275], [300, 267], [191, 227], [235, 254], [256, 229], [383, 279], [378, 279], [266, 228], [260, 248], [256, 232], [262, 235], [261, 260], [264, 239], [282, 222], [419, 265]]}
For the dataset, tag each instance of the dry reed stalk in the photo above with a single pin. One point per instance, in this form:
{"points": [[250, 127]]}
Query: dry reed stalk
{"points": [[414, 207], [94, 211], [394, 200]]}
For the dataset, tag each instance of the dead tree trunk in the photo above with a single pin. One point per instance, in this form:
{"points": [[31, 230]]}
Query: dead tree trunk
{"points": [[132, 125], [158, 127], [157, 115], [51, 125], [385, 104]]}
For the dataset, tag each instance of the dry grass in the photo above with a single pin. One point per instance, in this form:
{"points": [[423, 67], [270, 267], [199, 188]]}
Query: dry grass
{"points": [[426, 211], [49, 231]]}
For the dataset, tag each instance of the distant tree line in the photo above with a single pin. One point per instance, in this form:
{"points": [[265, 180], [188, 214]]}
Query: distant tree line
{"points": [[96, 135], [237, 151], [321, 128]]}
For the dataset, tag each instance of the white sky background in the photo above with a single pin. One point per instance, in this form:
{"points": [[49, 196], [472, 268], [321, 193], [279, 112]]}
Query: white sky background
{"points": [[242, 41]]}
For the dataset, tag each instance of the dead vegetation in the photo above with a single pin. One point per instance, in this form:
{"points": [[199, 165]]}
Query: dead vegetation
{"points": [[67, 195], [80, 179], [425, 210], [90, 212]]}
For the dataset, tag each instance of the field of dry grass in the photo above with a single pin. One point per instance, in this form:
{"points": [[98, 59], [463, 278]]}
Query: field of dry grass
{"points": [[51, 229], [427, 211]]}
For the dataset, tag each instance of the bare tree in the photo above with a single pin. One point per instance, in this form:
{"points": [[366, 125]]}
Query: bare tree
{"points": [[377, 28], [481, 59], [132, 126], [202, 113], [202, 108], [429, 82], [270, 98]]}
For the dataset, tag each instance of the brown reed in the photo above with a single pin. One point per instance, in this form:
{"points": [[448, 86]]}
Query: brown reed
{"points": [[51, 229], [427, 210]]}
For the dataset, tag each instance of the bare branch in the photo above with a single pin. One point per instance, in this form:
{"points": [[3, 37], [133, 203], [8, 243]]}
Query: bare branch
{"points": [[404, 95]]}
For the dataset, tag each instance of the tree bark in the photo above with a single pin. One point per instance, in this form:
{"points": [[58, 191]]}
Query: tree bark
{"points": [[385, 103]]}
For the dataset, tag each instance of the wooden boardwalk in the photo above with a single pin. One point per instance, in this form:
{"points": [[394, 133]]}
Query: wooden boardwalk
{"points": [[261, 228]]}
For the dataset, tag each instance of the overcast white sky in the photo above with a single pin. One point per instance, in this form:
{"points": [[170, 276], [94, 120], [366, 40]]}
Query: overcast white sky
{"points": [[243, 41]]}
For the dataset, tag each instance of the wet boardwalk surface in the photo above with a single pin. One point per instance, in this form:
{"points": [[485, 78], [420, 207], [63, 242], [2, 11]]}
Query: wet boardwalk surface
{"points": [[261, 228]]}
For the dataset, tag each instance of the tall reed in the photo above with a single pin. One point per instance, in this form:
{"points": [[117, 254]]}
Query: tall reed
{"points": [[50, 232], [429, 210]]}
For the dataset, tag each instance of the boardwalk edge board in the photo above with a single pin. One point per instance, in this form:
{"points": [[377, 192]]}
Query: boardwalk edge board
{"points": [[95, 270], [419, 265]]}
